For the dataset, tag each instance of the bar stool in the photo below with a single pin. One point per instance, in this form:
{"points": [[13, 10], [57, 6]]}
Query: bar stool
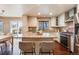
{"points": [[46, 47], [26, 47]]}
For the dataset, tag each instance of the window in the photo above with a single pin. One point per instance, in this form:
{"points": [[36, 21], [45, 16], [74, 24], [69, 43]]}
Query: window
{"points": [[43, 25], [1, 27]]}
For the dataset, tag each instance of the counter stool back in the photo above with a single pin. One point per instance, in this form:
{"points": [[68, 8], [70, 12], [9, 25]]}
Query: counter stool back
{"points": [[46, 47], [26, 47]]}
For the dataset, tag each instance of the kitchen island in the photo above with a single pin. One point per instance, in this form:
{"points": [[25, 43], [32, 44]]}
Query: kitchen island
{"points": [[37, 39]]}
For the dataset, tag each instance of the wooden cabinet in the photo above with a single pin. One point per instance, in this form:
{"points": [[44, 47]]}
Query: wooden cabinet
{"points": [[32, 22]]}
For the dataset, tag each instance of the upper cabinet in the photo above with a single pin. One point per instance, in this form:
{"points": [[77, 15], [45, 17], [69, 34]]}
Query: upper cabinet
{"points": [[58, 21], [32, 22], [66, 17], [53, 21], [69, 14], [61, 20]]}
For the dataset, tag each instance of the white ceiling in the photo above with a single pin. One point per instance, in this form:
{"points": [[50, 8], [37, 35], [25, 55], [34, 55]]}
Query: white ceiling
{"points": [[11, 10], [45, 9], [34, 9]]}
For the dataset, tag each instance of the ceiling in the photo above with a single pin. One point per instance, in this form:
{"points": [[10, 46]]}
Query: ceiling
{"points": [[46, 10], [43, 10]]}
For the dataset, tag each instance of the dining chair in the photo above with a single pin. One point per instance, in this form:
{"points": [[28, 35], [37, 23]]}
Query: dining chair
{"points": [[26, 47], [46, 47]]}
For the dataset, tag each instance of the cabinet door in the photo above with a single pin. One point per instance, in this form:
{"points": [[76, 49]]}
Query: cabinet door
{"points": [[67, 15], [57, 21], [61, 20], [32, 22]]}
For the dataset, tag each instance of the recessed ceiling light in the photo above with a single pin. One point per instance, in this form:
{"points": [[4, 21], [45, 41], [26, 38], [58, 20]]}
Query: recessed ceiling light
{"points": [[50, 13], [38, 13]]}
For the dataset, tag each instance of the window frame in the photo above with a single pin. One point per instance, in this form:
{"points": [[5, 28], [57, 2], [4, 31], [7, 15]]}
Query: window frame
{"points": [[43, 22]]}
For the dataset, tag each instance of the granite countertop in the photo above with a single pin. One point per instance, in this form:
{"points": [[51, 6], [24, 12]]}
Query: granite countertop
{"points": [[42, 35]]}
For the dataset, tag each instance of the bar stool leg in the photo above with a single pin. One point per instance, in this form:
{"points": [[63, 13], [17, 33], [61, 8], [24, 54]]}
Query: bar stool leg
{"points": [[5, 46], [2, 50]]}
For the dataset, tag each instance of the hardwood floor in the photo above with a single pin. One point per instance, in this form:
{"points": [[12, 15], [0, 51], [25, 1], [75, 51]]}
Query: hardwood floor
{"points": [[58, 49]]}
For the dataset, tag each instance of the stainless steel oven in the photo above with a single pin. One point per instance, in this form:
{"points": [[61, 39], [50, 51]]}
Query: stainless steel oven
{"points": [[64, 39]]}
